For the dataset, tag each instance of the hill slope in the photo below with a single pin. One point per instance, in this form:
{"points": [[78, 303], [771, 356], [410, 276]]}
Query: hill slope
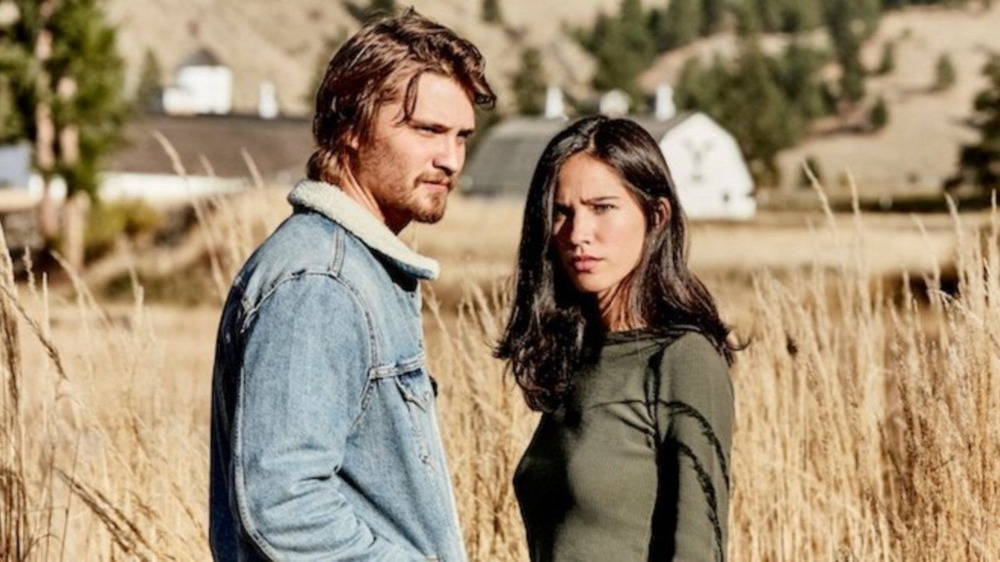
{"points": [[919, 146], [264, 40]]}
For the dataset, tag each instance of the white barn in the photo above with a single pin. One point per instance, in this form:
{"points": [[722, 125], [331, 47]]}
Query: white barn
{"points": [[712, 177], [202, 85]]}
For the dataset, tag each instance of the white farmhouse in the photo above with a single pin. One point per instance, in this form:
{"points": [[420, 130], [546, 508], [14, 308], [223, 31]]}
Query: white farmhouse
{"points": [[712, 177], [202, 85]]}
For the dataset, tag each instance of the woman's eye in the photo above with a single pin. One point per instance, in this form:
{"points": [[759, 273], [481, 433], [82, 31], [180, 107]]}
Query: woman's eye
{"points": [[602, 208]]}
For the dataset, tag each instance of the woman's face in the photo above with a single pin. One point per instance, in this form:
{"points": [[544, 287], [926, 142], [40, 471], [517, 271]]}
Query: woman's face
{"points": [[599, 229]]}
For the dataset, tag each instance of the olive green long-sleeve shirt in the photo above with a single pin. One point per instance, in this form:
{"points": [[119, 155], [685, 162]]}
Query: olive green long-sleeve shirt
{"points": [[635, 464]]}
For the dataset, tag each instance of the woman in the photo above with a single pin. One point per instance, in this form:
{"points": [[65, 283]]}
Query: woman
{"points": [[623, 351]]}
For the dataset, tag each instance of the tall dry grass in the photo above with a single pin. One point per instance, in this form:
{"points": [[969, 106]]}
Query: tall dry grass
{"points": [[868, 419]]}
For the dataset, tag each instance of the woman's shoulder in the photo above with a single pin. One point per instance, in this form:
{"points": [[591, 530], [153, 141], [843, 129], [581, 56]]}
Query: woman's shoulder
{"points": [[693, 361]]}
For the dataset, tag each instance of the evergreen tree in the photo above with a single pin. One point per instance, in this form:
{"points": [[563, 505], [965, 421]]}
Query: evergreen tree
{"points": [[879, 116], [491, 11], [980, 163], [384, 7], [374, 8], [748, 20], [14, 73], [150, 88], [769, 14], [888, 63], [843, 26], [679, 24], [801, 15], [799, 69], [528, 83], [637, 39], [72, 100], [869, 13], [697, 89], [622, 46], [894, 4], [770, 127], [713, 13], [944, 74]]}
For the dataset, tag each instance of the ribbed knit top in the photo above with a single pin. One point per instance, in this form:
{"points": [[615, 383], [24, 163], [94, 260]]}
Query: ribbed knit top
{"points": [[634, 465]]}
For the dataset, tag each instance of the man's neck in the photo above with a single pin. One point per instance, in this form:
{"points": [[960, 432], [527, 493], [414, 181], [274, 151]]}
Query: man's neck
{"points": [[353, 189]]}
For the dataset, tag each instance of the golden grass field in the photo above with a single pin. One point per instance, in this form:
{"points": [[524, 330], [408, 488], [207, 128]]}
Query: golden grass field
{"points": [[868, 403]]}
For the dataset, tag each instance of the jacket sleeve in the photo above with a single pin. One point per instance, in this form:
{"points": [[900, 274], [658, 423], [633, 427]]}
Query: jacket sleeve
{"points": [[696, 409], [302, 381]]}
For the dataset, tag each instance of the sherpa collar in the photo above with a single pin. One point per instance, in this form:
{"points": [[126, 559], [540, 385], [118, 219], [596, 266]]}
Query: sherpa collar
{"points": [[330, 201]]}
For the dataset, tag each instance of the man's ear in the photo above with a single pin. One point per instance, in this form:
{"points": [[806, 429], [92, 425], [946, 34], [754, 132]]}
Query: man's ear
{"points": [[351, 140], [661, 212]]}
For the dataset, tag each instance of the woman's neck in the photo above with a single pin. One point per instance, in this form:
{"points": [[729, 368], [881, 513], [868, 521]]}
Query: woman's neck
{"points": [[614, 312]]}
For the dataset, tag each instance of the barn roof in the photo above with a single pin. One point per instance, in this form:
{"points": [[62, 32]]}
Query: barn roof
{"points": [[214, 144], [201, 57], [506, 157]]}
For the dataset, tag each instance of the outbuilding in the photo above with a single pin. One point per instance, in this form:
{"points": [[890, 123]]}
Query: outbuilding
{"points": [[712, 177]]}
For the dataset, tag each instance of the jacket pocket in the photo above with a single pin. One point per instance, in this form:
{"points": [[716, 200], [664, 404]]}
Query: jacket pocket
{"points": [[417, 393]]}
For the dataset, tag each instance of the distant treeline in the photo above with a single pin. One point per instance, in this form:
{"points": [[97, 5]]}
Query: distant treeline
{"points": [[766, 101]]}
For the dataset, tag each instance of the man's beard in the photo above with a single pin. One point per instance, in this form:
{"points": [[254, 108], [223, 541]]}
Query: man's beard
{"points": [[433, 212]]}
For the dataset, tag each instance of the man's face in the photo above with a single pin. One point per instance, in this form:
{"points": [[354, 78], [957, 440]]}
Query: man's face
{"points": [[410, 166]]}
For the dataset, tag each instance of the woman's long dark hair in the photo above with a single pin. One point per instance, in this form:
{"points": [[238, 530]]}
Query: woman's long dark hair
{"points": [[551, 329]]}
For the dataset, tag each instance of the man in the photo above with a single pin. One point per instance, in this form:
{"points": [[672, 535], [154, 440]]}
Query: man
{"points": [[325, 442]]}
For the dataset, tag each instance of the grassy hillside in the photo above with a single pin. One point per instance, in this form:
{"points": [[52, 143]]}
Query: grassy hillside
{"points": [[269, 41], [919, 147], [263, 40]]}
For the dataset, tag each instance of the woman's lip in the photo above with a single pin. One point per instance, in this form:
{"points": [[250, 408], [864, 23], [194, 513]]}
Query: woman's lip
{"points": [[584, 264]]}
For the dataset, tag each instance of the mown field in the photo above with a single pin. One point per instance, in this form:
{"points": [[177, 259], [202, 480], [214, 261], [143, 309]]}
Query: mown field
{"points": [[868, 401]]}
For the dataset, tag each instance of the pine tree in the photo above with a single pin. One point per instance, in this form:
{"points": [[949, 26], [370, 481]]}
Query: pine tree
{"points": [[980, 163], [770, 127], [867, 13], [799, 69], [637, 39], [73, 100], [14, 69], [713, 14], [374, 9], [879, 116], [801, 15], [944, 74], [150, 88], [382, 7], [679, 24], [491, 11], [769, 14], [528, 83], [622, 46], [843, 25], [888, 63], [704, 87]]}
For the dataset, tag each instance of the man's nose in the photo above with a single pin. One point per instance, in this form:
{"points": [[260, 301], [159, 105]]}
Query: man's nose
{"points": [[450, 156]]}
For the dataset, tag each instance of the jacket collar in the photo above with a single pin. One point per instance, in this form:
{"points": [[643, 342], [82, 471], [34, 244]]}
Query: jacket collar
{"points": [[331, 202]]}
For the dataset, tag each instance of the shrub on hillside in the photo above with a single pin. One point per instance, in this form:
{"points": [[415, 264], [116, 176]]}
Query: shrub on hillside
{"points": [[108, 223]]}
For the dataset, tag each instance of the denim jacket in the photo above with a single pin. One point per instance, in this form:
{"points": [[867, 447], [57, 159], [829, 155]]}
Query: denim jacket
{"points": [[325, 441]]}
